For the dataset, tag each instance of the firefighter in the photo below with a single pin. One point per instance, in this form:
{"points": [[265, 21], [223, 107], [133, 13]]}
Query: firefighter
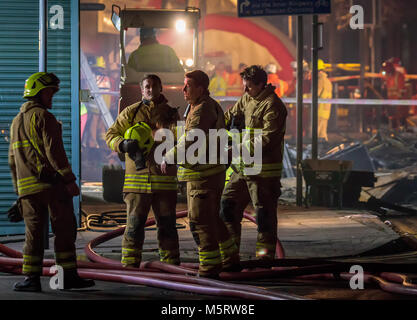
{"points": [[147, 187], [234, 85], [394, 82], [151, 56], [43, 179], [218, 83], [281, 86], [205, 182], [324, 109], [261, 109]]}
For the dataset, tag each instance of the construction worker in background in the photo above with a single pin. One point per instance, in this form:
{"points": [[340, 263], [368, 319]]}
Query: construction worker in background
{"points": [[325, 91], [205, 182], [218, 83], [151, 56], [43, 179], [261, 109], [234, 85], [148, 187], [394, 84], [281, 86]]}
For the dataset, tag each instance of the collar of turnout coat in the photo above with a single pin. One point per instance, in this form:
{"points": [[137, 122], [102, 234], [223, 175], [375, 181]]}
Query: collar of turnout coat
{"points": [[29, 105], [160, 100], [268, 90]]}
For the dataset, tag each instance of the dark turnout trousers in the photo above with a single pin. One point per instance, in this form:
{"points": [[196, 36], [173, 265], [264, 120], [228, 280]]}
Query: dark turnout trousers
{"points": [[216, 247], [36, 209], [164, 208], [264, 194]]}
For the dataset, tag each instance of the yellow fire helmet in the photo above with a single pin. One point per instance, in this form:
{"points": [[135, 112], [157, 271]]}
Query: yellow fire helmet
{"points": [[38, 81], [143, 134], [320, 64]]}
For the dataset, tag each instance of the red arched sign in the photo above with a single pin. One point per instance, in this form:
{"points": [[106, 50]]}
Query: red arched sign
{"points": [[256, 34]]}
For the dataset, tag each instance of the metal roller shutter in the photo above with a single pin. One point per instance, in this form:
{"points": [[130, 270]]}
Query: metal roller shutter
{"points": [[19, 57]]}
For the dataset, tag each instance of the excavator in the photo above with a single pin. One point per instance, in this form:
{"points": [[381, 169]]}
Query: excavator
{"points": [[159, 19]]}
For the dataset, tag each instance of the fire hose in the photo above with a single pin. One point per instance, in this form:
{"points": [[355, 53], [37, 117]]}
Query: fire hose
{"points": [[183, 277]]}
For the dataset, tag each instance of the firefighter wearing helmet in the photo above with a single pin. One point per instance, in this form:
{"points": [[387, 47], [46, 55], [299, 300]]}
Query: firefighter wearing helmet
{"points": [[394, 83], [324, 109], [43, 179], [281, 86], [145, 186]]}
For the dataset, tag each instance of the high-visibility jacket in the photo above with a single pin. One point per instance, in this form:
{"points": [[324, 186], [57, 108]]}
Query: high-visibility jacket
{"points": [[324, 92], [205, 114], [268, 113], [395, 85], [281, 86], [36, 146], [234, 85], [150, 179], [218, 86], [155, 57]]}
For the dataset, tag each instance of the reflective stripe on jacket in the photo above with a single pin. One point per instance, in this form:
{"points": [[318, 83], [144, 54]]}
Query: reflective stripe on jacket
{"points": [[204, 115], [36, 145], [268, 113], [150, 179]]}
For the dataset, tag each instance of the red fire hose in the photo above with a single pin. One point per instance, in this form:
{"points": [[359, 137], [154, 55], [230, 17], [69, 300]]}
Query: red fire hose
{"points": [[183, 277]]}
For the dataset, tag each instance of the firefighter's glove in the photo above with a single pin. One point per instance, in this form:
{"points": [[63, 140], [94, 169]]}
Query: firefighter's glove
{"points": [[139, 159], [129, 146], [14, 214], [72, 189], [237, 122]]}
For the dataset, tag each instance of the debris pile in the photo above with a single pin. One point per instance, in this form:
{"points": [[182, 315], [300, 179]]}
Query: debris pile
{"points": [[385, 168], [393, 150]]}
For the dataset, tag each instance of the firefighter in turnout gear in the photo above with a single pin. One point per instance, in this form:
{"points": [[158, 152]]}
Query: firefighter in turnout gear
{"points": [[205, 182], [44, 181], [147, 187], [324, 109], [262, 109]]}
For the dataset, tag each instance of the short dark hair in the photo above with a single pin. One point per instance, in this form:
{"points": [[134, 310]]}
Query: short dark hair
{"points": [[255, 73], [153, 77], [200, 77]]}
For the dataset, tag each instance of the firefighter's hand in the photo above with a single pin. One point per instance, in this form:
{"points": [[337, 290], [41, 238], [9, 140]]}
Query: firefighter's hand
{"points": [[164, 166], [129, 146], [72, 189]]}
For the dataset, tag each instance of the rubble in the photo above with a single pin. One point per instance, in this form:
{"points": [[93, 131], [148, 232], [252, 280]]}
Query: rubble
{"points": [[391, 150], [387, 158]]}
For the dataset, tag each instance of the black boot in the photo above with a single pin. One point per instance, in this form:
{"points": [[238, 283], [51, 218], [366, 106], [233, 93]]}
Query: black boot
{"points": [[235, 267], [213, 276], [29, 284], [73, 281]]}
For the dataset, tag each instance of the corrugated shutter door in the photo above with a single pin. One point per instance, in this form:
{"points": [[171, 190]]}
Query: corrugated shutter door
{"points": [[59, 62], [18, 59], [63, 51]]}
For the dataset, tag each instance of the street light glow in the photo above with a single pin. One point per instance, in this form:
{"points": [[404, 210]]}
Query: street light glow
{"points": [[189, 62], [180, 26]]}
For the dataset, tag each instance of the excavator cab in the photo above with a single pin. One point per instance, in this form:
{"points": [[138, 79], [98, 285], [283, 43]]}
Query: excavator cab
{"points": [[176, 28], [166, 21]]}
